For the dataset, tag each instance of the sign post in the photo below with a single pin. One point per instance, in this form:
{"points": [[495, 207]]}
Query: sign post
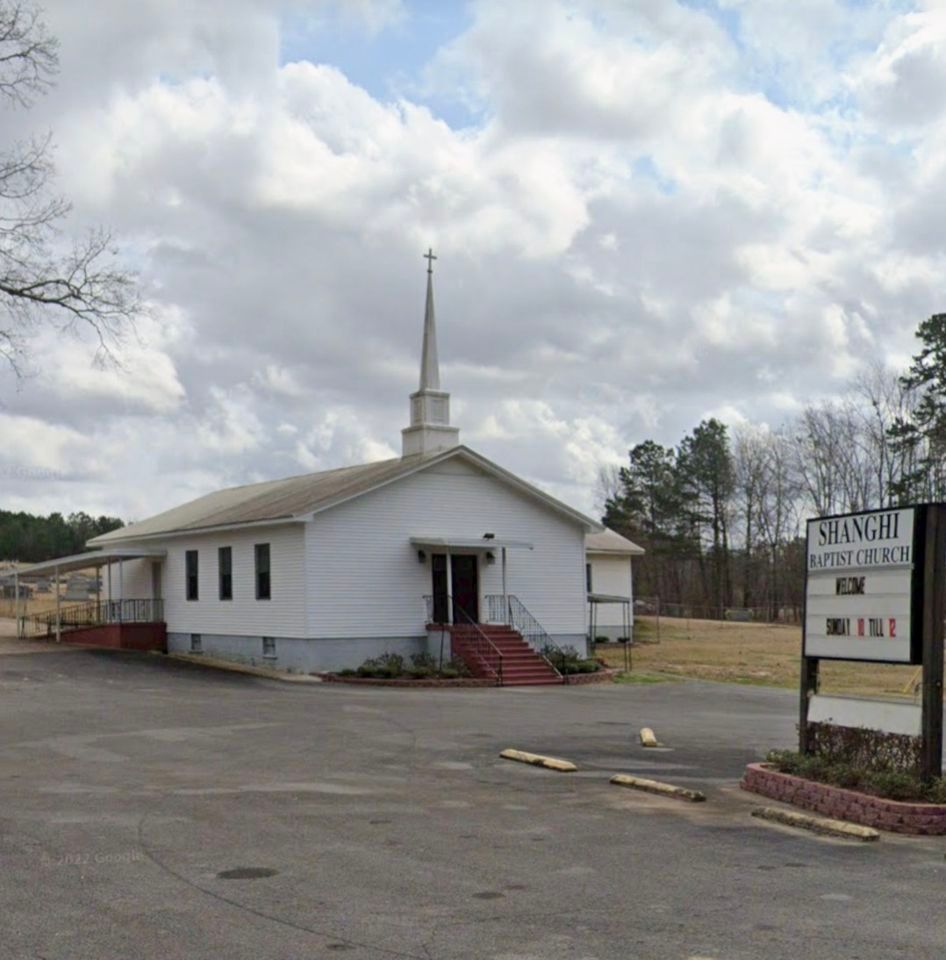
{"points": [[931, 705], [874, 591]]}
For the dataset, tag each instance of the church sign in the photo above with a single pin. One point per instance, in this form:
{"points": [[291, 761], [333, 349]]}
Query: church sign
{"points": [[862, 580], [875, 591]]}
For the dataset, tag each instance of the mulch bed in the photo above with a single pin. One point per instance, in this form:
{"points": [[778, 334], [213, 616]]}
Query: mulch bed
{"points": [[574, 679], [408, 681]]}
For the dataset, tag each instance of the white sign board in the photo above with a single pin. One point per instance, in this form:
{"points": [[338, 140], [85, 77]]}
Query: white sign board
{"points": [[892, 716], [859, 594]]}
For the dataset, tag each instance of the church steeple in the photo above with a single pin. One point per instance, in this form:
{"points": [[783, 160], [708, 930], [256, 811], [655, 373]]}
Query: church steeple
{"points": [[429, 364], [430, 428]]}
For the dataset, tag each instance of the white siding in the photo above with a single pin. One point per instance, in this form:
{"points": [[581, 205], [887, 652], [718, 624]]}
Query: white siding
{"points": [[133, 577], [281, 616], [612, 575], [365, 579]]}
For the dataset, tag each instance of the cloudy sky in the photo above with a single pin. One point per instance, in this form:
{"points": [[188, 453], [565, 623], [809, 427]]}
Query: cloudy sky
{"points": [[646, 212]]}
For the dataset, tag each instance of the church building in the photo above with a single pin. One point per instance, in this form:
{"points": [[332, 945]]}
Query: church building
{"points": [[321, 571]]}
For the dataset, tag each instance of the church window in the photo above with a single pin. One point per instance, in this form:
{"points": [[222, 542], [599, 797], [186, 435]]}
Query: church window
{"points": [[262, 571], [190, 563], [225, 560]]}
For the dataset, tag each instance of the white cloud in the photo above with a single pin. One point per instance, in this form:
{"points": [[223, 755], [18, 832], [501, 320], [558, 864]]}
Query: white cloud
{"points": [[651, 219]]}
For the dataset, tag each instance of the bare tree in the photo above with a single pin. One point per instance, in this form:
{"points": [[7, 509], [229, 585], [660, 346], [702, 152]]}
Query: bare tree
{"points": [[750, 465], [43, 279], [608, 486], [778, 510]]}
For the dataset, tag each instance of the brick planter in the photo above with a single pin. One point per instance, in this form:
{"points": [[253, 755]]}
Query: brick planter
{"points": [[927, 819]]}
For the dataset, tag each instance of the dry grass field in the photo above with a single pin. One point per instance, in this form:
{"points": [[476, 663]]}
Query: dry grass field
{"points": [[766, 654]]}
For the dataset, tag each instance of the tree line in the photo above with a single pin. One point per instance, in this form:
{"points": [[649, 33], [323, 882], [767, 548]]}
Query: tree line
{"points": [[30, 539], [721, 514]]}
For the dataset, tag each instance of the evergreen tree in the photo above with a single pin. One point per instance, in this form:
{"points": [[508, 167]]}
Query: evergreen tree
{"points": [[920, 439]]}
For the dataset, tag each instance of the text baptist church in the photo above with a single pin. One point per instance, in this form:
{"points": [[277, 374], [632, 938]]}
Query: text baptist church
{"points": [[872, 528]]}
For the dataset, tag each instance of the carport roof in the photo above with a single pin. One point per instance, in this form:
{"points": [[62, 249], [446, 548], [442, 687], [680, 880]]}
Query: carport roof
{"points": [[82, 561]]}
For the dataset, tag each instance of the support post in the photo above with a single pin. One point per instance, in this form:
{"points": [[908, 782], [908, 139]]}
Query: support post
{"points": [[934, 609], [58, 609], [809, 687], [506, 617], [16, 601], [108, 612], [121, 590], [450, 617]]}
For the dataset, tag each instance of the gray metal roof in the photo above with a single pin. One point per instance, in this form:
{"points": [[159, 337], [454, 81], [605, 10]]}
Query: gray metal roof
{"points": [[83, 561], [295, 498], [608, 541]]}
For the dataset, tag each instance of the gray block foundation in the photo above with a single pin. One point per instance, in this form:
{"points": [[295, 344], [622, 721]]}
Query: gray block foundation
{"points": [[299, 655]]}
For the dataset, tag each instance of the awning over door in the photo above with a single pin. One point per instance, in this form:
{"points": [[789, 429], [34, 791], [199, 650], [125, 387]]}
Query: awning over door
{"points": [[469, 543]]}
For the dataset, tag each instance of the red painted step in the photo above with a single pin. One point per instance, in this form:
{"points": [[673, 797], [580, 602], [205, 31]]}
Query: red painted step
{"points": [[521, 665]]}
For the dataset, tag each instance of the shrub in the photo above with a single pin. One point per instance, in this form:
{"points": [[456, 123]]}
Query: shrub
{"points": [[348, 672], [588, 666], [392, 664], [423, 661], [564, 659], [602, 639], [369, 668], [865, 749], [457, 667], [888, 783]]}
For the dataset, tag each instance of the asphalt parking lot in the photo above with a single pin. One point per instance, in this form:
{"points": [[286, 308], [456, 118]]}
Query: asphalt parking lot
{"points": [[152, 808]]}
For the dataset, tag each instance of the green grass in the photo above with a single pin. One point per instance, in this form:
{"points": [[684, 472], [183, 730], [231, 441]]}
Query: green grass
{"points": [[645, 678]]}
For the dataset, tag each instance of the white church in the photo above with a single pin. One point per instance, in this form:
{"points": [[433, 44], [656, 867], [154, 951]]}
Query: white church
{"points": [[319, 572]]}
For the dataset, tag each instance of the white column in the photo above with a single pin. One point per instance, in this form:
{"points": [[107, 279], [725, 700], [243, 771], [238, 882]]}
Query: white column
{"points": [[506, 617], [121, 590], [58, 610], [108, 614]]}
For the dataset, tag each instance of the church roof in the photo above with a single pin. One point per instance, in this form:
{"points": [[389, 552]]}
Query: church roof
{"points": [[295, 498], [609, 541]]}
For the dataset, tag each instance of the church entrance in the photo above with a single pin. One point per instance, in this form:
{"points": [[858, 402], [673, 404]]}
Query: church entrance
{"points": [[464, 575], [466, 589]]}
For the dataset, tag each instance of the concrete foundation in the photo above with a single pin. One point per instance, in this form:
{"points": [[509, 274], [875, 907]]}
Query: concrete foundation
{"points": [[300, 655]]}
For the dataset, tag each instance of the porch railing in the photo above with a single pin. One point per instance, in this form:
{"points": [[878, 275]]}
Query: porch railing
{"points": [[465, 628], [509, 609], [94, 613]]}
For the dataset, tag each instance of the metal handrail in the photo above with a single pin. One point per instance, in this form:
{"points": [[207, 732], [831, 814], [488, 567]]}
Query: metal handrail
{"points": [[481, 640], [94, 613], [508, 608]]}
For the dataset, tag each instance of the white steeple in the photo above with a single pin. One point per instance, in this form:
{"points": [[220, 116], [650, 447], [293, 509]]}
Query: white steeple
{"points": [[430, 428]]}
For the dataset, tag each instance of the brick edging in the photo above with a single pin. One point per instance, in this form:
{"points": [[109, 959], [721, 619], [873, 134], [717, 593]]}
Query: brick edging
{"points": [[408, 681], [918, 819], [574, 679]]}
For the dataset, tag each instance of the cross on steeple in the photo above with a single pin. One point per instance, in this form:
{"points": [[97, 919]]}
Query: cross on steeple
{"points": [[430, 257]]}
